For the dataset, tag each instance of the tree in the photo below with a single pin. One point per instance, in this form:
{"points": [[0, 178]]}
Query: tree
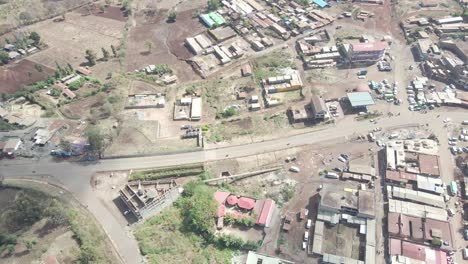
{"points": [[38, 67], [114, 51], [91, 57], [149, 46], [101, 9], [65, 145], [29, 74], [29, 244], [199, 208], [172, 16], [95, 140], [35, 37], [105, 54], [213, 5], [70, 68], [4, 58]]}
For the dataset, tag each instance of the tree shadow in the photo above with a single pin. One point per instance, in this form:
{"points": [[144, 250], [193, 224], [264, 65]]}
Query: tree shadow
{"points": [[145, 53]]}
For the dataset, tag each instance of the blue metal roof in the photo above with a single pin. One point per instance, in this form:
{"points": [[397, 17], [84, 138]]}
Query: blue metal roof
{"points": [[360, 99], [320, 3]]}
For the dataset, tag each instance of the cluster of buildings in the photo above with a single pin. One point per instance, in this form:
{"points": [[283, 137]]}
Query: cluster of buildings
{"points": [[355, 210], [278, 84], [65, 85], [418, 223], [240, 206], [15, 53]]}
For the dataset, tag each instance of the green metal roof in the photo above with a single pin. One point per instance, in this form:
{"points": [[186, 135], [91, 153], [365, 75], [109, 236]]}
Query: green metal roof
{"points": [[360, 99]]}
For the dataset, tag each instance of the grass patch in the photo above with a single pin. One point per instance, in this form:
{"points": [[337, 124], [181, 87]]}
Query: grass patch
{"points": [[26, 207], [271, 65], [7, 126], [168, 172], [162, 239]]}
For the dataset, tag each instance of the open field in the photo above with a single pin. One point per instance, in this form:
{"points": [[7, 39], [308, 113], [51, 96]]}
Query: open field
{"points": [[82, 108], [16, 75], [68, 40], [167, 42], [16, 13]]}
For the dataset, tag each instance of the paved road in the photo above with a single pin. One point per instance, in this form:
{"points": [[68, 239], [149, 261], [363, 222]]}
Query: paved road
{"points": [[76, 176]]}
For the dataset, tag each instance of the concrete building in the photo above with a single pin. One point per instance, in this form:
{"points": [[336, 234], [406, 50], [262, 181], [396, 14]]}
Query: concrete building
{"points": [[366, 53], [458, 47], [196, 109], [318, 108], [423, 47]]}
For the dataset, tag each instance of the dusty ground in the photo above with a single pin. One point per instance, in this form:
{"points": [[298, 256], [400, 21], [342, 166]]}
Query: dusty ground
{"points": [[167, 42], [15, 75], [69, 40], [81, 109]]}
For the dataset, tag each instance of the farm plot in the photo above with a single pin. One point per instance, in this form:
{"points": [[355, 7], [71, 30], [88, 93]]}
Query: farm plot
{"points": [[69, 40], [111, 12], [13, 77], [82, 108], [167, 43]]}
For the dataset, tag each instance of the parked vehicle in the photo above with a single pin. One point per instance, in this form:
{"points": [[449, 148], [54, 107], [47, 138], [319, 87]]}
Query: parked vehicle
{"points": [[332, 175], [304, 245], [294, 169], [306, 235], [450, 212], [465, 253], [309, 223]]}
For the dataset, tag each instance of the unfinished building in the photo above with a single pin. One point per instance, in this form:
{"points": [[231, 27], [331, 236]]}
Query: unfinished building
{"points": [[146, 198]]}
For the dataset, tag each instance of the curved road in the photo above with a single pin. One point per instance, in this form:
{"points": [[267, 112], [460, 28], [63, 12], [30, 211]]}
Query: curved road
{"points": [[76, 176]]}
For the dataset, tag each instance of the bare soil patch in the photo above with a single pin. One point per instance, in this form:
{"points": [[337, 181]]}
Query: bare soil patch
{"points": [[14, 76], [81, 109], [167, 43], [111, 12]]}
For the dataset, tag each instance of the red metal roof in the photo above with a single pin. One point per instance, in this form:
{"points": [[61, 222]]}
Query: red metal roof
{"points": [[393, 220], [220, 196], [232, 200], [246, 203], [221, 210], [374, 46], [400, 176], [267, 212], [414, 251], [444, 227], [423, 253], [395, 246], [429, 164]]}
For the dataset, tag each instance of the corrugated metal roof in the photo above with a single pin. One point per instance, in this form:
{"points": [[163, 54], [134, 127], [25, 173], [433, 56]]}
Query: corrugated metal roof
{"points": [[360, 99]]}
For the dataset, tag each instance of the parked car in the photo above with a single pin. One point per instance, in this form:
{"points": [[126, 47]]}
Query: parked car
{"points": [[294, 169], [465, 234], [309, 223], [306, 235]]}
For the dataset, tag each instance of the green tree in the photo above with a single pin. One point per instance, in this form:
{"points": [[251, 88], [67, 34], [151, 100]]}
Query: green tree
{"points": [[70, 68], [199, 207], [96, 140], [30, 244], [4, 58], [114, 51], [38, 67], [172, 16], [91, 57], [65, 145], [105, 54], [35, 37], [213, 5], [27, 210], [149, 46]]}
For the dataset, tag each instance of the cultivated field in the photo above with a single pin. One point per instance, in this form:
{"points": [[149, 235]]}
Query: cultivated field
{"points": [[16, 75]]}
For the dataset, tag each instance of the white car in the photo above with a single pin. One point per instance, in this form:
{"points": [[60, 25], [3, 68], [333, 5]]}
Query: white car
{"points": [[304, 245], [309, 223]]}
